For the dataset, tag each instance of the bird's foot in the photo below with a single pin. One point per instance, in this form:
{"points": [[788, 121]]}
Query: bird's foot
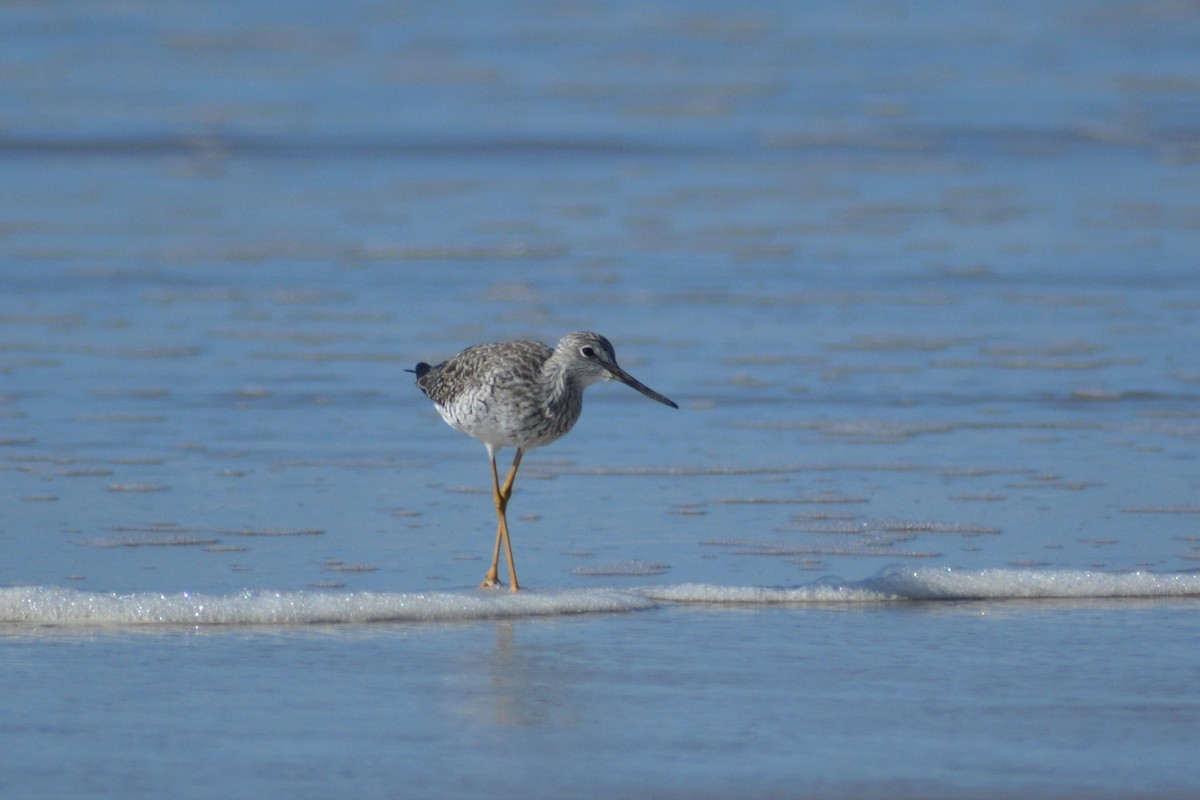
{"points": [[491, 582]]}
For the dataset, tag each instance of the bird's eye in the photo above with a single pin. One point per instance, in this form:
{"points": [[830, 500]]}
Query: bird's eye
{"points": [[587, 352]]}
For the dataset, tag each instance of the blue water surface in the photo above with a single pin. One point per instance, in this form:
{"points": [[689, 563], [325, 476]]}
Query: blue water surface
{"points": [[921, 277]]}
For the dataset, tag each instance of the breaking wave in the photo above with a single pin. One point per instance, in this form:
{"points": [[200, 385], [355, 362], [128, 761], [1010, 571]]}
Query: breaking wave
{"points": [[48, 605]]}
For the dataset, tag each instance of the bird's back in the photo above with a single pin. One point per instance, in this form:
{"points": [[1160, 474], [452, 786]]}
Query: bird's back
{"points": [[494, 393]]}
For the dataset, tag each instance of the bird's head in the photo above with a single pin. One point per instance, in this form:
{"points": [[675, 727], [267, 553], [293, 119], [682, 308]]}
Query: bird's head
{"points": [[589, 358]]}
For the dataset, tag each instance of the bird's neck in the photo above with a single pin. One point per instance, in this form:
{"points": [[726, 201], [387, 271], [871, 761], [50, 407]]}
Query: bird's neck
{"points": [[562, 387]]}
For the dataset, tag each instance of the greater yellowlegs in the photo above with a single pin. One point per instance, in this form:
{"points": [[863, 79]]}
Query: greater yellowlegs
{"points": [[520, 394]]}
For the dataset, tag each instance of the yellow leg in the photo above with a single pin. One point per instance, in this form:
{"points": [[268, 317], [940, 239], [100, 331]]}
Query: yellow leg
{"points": [[505, 495], [501, 495], [492, 579]]}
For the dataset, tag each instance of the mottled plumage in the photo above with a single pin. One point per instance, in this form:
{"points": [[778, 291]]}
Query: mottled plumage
{"points": [[520, 394]]}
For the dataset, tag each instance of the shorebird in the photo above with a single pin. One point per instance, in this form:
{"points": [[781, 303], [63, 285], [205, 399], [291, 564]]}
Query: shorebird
{"points": [[520, 394]]}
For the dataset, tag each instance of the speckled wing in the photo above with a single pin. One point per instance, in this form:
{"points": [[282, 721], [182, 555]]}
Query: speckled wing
{"points": [[487, 391]]}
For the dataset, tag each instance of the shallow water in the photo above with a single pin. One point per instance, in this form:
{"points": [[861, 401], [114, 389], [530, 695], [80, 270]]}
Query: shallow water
{"points": [[921, 278]]}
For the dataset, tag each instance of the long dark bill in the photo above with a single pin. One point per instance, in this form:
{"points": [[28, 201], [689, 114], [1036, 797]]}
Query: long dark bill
{"points": [[627, 379]]}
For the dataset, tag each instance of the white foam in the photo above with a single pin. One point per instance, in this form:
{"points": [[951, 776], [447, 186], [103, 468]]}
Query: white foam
{"points": [[765, 595], [48, 605], [56, 606], [932, 584], [1003, 584]]}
